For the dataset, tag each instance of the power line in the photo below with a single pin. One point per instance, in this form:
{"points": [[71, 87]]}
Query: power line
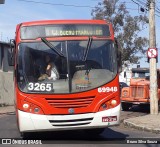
{"points": [[140, 3], [55, 4], [78, 6], [144, 5], [66, 5]]}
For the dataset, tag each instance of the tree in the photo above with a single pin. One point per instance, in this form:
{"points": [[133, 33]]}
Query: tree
{"points": [[126, 28]]}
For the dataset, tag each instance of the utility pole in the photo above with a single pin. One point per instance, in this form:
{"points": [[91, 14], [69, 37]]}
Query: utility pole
{"points": [[153, 65]]}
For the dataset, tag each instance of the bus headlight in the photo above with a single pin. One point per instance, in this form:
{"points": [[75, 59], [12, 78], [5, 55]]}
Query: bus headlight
{"points": [[25, 106], [113, 102], [109, 104], [36, 110], [31, 108]]}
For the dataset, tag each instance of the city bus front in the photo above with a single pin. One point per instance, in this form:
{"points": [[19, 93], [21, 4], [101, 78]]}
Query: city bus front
{"points": [[84, 95]]}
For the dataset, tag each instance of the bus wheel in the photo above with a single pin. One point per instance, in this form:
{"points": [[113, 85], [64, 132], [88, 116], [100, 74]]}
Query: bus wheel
{"points": [[126, 106], [25, 135], [94, 132]]}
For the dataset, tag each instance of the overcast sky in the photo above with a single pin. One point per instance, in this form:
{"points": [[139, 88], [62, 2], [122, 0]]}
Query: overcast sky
{"points": [[14, 12]]}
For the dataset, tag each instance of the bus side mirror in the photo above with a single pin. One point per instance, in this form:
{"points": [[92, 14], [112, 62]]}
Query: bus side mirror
{"points": [[119, 56], [11, 53]]}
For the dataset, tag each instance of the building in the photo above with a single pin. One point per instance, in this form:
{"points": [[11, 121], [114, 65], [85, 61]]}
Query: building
{"points": [[6, 76], [4, 48]]}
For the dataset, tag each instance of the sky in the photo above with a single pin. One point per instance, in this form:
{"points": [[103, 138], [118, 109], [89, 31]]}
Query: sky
{"points": [[14, 12]]}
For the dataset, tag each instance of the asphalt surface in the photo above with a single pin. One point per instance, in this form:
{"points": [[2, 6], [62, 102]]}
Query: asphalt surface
{"points": [[9, 129], [112, 135]]}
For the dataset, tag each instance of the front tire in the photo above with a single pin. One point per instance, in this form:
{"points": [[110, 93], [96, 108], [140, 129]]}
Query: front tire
{"points": [[25, 135], [94, 132]]}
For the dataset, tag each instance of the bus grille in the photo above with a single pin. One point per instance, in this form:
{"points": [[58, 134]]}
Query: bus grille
{"points": [[137, 92], [70, 102], [71, 122]]}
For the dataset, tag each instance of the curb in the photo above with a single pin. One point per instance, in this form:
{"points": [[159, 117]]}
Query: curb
{"points": [[7, 110], [7, 113], [139, 127]]}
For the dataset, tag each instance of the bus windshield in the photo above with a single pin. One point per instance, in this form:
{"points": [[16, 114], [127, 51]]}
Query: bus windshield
{"points": [[42, 70]]}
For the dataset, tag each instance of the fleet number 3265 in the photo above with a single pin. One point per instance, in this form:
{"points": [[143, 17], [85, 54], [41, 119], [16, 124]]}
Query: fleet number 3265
{"points": [[40, 87]]}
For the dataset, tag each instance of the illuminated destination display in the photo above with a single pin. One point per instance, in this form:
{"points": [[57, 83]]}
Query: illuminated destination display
{"points": [[78, 31], [33, 32]]}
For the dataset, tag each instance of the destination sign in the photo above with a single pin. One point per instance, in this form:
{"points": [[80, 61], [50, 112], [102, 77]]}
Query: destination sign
{"points": [[33, 32], [74, 31]]}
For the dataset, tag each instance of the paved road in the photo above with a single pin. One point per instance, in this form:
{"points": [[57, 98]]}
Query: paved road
{"points": [[114, 134]]}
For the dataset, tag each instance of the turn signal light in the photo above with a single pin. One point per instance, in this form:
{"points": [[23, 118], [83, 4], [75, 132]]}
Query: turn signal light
{"points": [[31, 108]]}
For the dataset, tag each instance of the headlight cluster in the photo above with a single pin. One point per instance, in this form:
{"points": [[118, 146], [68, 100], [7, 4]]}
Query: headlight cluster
{"points": [[109, 104], [31, 108]]}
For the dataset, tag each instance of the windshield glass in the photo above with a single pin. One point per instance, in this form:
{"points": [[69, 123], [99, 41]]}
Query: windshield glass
{"points": [[140, 74], [42, 70]]}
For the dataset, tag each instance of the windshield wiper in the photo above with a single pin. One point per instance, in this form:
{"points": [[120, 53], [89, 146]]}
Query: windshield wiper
{"points": [[87, 49], [51, 46]]}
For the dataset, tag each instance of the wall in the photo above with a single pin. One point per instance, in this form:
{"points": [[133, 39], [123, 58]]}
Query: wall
{"points": [[6, 77], [6, 88]]}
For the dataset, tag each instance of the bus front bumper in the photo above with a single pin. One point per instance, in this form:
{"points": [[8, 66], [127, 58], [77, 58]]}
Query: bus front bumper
{"points": [[29, 122]]}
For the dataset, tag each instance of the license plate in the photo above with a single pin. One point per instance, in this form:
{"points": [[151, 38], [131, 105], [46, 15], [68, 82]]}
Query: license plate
{"points": [[109, 118]]}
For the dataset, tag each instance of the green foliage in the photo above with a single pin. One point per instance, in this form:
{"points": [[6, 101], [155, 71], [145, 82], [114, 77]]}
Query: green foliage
{"points": [[126, 28]]}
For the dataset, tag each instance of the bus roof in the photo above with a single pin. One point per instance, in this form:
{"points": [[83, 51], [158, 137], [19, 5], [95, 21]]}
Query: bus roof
{"points": [[45, 22]]}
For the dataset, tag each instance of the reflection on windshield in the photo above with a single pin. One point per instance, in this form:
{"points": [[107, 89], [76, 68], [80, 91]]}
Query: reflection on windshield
{"points": [[41, 70]]}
